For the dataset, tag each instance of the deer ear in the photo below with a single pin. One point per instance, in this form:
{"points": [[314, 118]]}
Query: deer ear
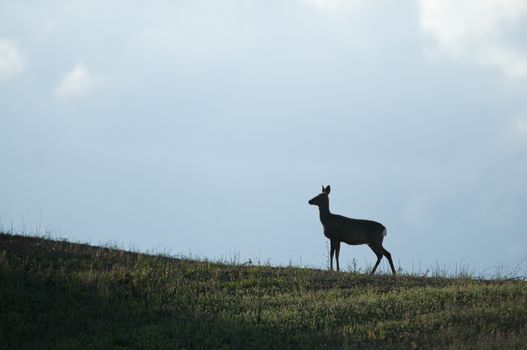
{"points": [[323, 189], [328, 189]]}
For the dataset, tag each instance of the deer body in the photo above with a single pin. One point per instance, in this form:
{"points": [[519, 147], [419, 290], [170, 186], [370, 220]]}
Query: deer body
{"points": [[338, 228], [352, 231]]}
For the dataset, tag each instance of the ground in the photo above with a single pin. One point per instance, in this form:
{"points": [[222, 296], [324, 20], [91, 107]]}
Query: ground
{"points": [[60, 295]]}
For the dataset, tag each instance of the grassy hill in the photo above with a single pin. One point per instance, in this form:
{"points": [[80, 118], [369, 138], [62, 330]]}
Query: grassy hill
{"points": [[61, 295]]}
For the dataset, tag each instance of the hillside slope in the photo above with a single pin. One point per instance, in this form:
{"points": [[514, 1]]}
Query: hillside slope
{"points": [[60, 295]]}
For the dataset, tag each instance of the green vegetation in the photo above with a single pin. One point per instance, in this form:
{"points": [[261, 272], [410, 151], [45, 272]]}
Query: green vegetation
{"points": [[61, 295]]}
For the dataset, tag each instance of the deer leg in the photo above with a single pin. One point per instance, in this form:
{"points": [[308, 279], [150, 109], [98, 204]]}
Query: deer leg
{"points": [[337, 251], [332, 252], [388, 256], [379, 257]]}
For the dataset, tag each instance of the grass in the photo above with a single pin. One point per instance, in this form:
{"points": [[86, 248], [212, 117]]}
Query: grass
{"points": [[61, 295]]}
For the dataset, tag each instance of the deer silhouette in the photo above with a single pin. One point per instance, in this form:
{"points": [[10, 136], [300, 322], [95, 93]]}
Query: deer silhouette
{"points": [[338, 228]]}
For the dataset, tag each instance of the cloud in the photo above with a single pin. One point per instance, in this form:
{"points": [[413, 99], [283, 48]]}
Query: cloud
{"points": [[79, 82], [11, 61], [477, 30]]}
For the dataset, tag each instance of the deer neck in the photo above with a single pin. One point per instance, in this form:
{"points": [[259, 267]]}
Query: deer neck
{"points": [[324, 213]]}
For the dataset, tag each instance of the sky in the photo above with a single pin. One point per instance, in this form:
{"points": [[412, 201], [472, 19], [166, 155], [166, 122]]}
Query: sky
{"points": [[203, 127]]}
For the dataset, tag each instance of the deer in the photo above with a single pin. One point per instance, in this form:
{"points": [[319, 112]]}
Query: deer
{"points": [[338, 228]]}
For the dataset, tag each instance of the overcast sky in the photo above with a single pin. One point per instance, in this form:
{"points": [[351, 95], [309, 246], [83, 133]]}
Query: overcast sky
{"points": [[206, 126]]}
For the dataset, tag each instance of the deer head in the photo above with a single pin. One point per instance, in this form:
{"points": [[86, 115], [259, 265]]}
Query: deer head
{"points": [[322, 199]]}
